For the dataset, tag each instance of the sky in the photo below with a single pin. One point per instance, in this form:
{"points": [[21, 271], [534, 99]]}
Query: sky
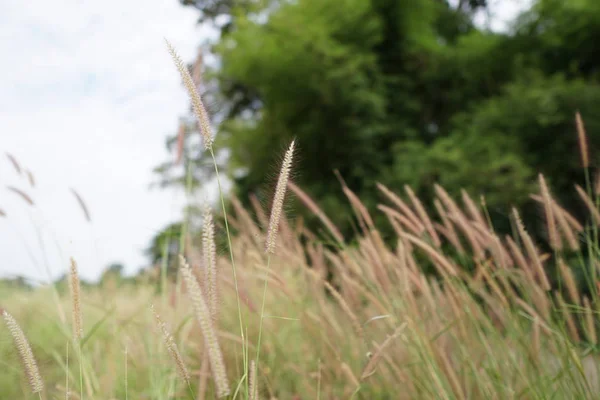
{"points": [[88, 94]]}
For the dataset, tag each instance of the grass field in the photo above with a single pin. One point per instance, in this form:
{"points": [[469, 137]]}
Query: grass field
{"points": [[286, 313]]}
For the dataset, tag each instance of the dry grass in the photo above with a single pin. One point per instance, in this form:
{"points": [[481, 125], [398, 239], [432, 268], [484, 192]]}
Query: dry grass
{"points": [[379, 325], [361, 321]]}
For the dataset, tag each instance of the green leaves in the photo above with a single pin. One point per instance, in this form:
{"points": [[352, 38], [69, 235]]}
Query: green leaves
{"points": [[399, 92]]}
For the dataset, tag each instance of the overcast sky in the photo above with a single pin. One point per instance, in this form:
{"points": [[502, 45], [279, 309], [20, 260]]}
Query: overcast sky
{"points": [[88, 94]]}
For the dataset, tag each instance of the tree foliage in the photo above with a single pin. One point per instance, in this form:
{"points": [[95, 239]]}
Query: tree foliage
{"points": [[403, 92]]}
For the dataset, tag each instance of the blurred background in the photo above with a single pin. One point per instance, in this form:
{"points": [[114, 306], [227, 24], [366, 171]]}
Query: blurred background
{"points": [[103, 154]]}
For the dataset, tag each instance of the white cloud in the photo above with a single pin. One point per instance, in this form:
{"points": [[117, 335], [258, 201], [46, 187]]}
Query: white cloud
{"points": [[87, 95]]}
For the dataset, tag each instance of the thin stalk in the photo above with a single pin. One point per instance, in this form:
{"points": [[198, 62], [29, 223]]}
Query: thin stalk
{"points": [[67, 374], [184, 227], [80, 370], [163, 268], [229, 245], [262, 310], [126, 395], [590, 190]]}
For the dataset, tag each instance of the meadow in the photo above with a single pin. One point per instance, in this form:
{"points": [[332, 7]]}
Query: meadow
{"points": [[448, 309]]}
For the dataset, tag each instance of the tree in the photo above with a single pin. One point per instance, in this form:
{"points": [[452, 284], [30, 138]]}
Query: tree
{"points": [[400, 92], [165, 247], [342, 78]]}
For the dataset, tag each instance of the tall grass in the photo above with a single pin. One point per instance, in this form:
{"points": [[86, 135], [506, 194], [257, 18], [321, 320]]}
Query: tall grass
{"points": [[362, 321]]}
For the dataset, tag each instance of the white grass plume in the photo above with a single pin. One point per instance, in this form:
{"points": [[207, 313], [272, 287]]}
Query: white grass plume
{"points": [[172, 348], [276, 209], [209, 253], [202, 314], [75, 288], [29, 364], [197, 104]]}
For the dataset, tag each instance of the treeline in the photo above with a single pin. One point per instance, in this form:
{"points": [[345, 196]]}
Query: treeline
{"points": [[400, 92]]}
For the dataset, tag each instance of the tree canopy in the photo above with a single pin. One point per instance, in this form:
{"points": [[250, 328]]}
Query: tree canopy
{"points": [[403, 93]]}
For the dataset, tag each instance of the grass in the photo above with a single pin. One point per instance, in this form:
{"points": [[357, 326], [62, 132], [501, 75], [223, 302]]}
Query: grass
{"points": [[305, 315]]}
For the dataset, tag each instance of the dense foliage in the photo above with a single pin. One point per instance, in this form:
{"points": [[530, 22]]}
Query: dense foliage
{"points": [[401, 92]]}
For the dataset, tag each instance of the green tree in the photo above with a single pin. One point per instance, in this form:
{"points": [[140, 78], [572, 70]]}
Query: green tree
{"points": [[400, 92], [165, 247], [342, 83], [538, 113]]}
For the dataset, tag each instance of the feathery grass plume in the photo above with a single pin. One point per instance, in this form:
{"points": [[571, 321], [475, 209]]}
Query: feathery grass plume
{"points": [[585, 161], [541, 301], [393, 216], [2, 213], [568, 316], [244, 218], [14, 162], [312, 206], [197, 104], [259, 212], [209, 253], [194, 258], [445, 265], [277, 207], [30, 178], [253, 384], [568, 224], [84, 208], [472, 208], [535, 315], [366, 293], [535, 339], [22, 345], [398, 202], [369, 369], [483, 268], [450, 232], [196, 72], [172, 347], [573, 223], [21, 194], [75, 289], [499, 252], [455, 214], [566, 229], [472, 236], [447, 200], [589, 203], [423, 215], [204, 373], [519, 258], [553, 235], [532, 252], [590, 321], [346, 308], [361, 212], [202, 314], [569, 281]]}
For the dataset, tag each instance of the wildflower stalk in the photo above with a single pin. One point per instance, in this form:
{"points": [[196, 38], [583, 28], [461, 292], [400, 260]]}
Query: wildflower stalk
{"points": [[172, 348], [205, 131], [203, 317], [29, 364], [75, 289], [276, 211]]}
